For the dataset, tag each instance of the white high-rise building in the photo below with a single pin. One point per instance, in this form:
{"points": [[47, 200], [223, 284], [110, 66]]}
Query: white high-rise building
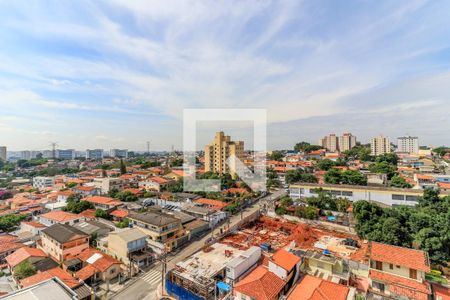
{"points": [[65, 154], [408, 144], [380, 145], [3, 153], [346, 142]]}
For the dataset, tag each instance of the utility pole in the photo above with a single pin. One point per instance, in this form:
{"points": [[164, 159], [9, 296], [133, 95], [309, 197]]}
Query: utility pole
{"points": [[164, 268]]}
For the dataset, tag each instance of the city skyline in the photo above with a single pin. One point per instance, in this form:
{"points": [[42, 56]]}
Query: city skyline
{"points": [[119, 73]]}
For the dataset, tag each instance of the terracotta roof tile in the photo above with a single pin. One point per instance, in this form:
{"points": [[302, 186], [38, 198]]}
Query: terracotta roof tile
{"points": [[401, 285], [22, 254], [285, 259], [119, 213], [260, 284], [59, 216], [55, 272], [102, 200], [314, 288], [410, 258], [216, 204]]}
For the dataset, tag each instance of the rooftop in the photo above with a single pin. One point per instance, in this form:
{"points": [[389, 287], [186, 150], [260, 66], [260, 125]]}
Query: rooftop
{"points": [[129, 235], [285, 259], [22, 254], [59, 216], [260, 284], [153, 218], [63, 233], [55, 272], [314, 288], [410, 258], [51, 289]]}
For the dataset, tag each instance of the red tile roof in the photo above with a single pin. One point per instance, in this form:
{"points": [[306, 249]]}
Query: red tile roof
{"points": [[410, 258], [314, 288], [22, 254], [55, 272], [86, 272], [119, 213], [88, 213], [35, 224], [217, 204], [103, 262], [102, 200], [402, 286], [9, 246], [285, 259], [159, 180], [260, 284], [444, 185], [441, 291], [59, 216]]}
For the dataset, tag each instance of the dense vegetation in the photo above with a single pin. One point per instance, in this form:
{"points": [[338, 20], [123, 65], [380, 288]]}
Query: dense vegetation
{"points": [[24, 269], [300, 176], [425, 226], [10, 222], [336, 176], [306, 147]]}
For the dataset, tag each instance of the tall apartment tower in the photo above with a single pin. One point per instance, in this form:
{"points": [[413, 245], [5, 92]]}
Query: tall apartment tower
{"points": [[217, 153], [330, 142], [3, 153], [380, 145], [408, 144], [346, 142]]}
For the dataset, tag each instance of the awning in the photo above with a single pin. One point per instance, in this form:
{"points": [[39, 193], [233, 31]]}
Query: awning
{"points": [[223, 286]]}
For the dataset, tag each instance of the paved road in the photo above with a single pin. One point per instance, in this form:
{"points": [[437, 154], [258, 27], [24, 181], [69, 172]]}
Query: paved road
{"points": [[144, 288]]}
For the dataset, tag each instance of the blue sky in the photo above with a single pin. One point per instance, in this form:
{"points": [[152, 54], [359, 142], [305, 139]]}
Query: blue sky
{"points": [[118, 73]]}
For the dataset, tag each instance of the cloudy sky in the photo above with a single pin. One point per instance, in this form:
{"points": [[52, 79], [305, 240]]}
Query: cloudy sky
{"points": [[118, 73]]}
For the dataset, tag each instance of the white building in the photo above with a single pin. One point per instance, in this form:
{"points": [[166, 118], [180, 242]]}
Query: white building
{"points": [[65, 154], [123, 153], [330, 142], [42, 182], [408, 144], [380, 145], [94, 154], [3, 153]]}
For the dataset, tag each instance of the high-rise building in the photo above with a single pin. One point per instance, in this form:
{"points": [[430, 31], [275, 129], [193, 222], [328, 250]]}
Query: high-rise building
{"points": [[65, 154], [346, 142], [380, 145], [330, 142], [218, 152], [3, 153], [25, 155], [122, 153], [408, 144], [94, 154]]}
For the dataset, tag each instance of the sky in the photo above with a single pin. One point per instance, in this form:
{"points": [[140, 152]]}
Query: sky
{"points": [[116, 74]]}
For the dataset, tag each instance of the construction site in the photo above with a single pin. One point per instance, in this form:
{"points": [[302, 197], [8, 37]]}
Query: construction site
{"points": [[274, 233]]}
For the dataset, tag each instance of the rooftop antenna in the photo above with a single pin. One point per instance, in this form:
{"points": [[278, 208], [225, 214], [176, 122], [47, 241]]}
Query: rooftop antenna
{"points": [[53, 145]]}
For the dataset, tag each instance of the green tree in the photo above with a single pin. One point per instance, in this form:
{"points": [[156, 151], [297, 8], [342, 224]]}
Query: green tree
{"points": [[399, 182], [10, 222], [78, 207], [325, 164], [124, 223], [123, 168], [353, 178], [383, 167], [306, 147], [126, 196], [100, 213], [24, 269], [299, 176], [276, 155], [280, 211], [333, 176]]}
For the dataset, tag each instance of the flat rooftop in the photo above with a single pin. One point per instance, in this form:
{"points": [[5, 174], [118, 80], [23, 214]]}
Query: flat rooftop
{"points": [[205, 264]]}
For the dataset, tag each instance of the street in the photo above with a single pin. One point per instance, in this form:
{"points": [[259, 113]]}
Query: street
{"points": [[146, 285]]}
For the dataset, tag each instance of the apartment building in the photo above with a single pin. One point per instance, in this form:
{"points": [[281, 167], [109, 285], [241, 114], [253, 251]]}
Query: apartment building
{"points": [[3, 152], [398, 273], [122, 153], [219, 151], [380, 145], [94, 154], [408, 144], [330, 142], [346, 142], [61, 240], [43, 182], [160, 227], [105, 185]]}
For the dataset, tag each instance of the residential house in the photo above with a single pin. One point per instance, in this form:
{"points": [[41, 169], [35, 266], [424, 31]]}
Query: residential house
{"points": [[325, 265], [61, 241], [59, 217], [97, 266], [86, 190], [102, 202], [92, 227], [311, 288], [285, 265], [160, 227], [105, 185], [130, 247], [33, 227], [62, 196], [32, 255], [154, 183], [211, 216], [259, 284], [119, 214], [398, 272], [211, 203], [8, 244]]}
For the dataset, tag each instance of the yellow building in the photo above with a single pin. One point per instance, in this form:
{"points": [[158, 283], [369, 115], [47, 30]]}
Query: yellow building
{"points": [[219, 151]]}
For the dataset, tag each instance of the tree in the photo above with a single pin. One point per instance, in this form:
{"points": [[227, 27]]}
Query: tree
{"points": [[126, 196], [100, 213], [383, 167], [123, 168], [276, 155], [299, 176], [353, 178], [361, 152], [9, 222], [390, 158], [306, 147], [280, 211], [399, 182], [325, 164], [78, 207], [441, 151], [124, 223], [24, 269], [286, 201], [333, 176]]}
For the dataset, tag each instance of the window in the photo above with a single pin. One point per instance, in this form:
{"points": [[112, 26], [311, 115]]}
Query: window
{"points": [[412, 273], [391, 266], [398, 197], [378, 286], [378, 265], [411, 198], [348, 194]]}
